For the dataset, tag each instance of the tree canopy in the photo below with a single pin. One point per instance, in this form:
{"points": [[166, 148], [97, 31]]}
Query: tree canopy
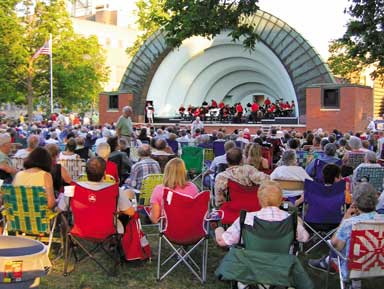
{"points": [[182, 19], [364, 37], [78, 62]]}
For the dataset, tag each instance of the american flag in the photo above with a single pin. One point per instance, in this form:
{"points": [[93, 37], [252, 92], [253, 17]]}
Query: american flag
{"points": [[46, 49]]}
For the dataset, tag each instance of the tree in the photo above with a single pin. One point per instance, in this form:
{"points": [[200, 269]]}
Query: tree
{"points": [[78, 62], [364, 37], [182, 19], [341, 64]]}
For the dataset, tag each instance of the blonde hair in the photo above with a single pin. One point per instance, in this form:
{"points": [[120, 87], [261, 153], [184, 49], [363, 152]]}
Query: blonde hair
{"points": [[270, 194], [175, 174], [254, 156]]}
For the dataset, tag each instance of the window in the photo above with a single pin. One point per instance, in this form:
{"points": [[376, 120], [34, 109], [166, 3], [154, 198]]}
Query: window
{"points": [[330, 98], [113, 102]]}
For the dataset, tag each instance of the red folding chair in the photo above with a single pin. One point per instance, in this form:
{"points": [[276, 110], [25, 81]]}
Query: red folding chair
{"points": [[94, 218], [239, 198], [184, 229], [365, 257]]}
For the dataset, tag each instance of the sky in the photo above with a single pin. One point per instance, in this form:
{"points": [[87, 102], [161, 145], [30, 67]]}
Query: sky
{"points": [[318, 21]]}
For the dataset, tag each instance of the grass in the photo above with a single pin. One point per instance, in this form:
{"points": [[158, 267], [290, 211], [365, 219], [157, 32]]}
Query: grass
{"points": [[143, 274]]}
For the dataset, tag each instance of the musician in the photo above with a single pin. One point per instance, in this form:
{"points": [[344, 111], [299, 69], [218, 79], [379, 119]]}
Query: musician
{"points": [[149, 110], [267, 103], [221, 105], [182, 111], [213, 103], [239, 112], [254, 110]]}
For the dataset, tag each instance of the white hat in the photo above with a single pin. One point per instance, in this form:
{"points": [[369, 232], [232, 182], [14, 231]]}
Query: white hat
{"points": [[5, 138]]}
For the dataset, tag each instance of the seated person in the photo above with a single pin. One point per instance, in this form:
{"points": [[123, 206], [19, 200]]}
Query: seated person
{"points": [[245, 175], [289, 170], [270, 198], [95, 170], [7, 171], [328, 157], [103, 150], [37, 172], [363, 208], [331, 174], [175, 178], [370, 161]]}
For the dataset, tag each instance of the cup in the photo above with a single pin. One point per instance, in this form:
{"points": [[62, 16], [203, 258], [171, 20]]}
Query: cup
{"points": [[1, 182], [69, 191]]}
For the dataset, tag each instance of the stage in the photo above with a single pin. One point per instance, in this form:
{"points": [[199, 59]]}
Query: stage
{"points": [[281, 123]]}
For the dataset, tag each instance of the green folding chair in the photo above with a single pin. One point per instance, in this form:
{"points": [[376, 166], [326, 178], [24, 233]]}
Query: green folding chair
{"points": [[26, 211], [193, 158]]}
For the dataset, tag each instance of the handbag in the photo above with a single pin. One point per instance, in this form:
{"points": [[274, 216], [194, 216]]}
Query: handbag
{"points": [[134, 242]]}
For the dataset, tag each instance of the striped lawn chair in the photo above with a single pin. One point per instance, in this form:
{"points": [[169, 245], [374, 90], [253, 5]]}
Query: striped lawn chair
{"points": [[26, 210], [17, 163], [302, 158], [75, 168]]}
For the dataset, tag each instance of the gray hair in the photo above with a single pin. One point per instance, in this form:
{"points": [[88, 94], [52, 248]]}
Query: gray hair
{"points": [[354, 142], [4, 138], [127, 109], [288, 158], [370, 157], [330, 149], [365, 197], [103, 150], [144, 150], [33, 141]]}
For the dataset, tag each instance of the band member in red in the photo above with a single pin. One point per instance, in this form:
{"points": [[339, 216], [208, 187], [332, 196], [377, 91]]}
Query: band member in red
{"points": [[221, 104], [239, 112], [267, 102], [254, 109], [182, 111], [213, 103]]}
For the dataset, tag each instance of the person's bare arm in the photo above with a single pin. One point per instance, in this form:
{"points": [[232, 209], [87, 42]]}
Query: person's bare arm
{"points": [[219, 237], [155, 213], [65, 175], [48, 185], [8, 169]]}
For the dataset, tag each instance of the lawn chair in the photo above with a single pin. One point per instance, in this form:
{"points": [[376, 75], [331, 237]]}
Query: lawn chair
{"points": [[184, 229], [17, 163], [324, 209], [302, 157], [193, 158], [263, 258], [318, 167], [174, 146], [147, 187], [366, 253], [26, 211], [267, 153], [355, 159], [291, 189], [218, 148], [374, 176], [107, 179], [94, 218], [239, 198], [75, 168]]}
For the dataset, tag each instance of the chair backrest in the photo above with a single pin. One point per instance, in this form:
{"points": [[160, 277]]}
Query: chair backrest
{"points": [[319, 166], [162, 160], [267, 153], [184, 216], [302, 157], [174, 145], [26, 209], [239, 198], [75, 168], [325, 204], [17, 163], [107, 179], [94, 210], [291, 185], [270, 236], [147, 186], [366, 250], [218, 148], [355, 159], [193, 158], [374, 176]]}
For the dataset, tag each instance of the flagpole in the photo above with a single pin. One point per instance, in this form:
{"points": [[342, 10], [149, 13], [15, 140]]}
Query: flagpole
{"points": [[50, 64]]}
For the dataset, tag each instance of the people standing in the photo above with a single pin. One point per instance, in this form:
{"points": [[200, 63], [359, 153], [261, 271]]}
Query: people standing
{"points": [[124, 128]]}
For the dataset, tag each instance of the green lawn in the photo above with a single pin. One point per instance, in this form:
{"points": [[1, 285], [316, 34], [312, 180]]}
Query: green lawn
{"points": [[143, 275]]}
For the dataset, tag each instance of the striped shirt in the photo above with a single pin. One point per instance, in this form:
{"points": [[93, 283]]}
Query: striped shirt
{"points": [[144, 167]]}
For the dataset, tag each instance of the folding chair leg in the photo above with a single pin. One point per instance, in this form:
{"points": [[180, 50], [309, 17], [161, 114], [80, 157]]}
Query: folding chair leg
{"points": [[66, 255], [159, 259]]}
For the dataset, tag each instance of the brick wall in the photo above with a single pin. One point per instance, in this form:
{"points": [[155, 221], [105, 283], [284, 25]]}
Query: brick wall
{"points": [[110, 116], [356, 103]]}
